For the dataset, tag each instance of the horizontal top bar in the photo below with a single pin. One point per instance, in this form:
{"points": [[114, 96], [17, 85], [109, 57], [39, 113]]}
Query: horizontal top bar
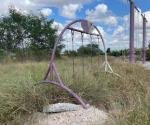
{"points": [[81, 31], [143, 16]]}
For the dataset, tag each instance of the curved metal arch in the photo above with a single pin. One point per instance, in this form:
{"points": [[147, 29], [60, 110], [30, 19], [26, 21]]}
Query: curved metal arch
{"points": [[59, 39], [52, 68], [61, 34]]}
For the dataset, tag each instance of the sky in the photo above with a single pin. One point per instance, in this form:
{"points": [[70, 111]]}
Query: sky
{"points": [[110, 16]]}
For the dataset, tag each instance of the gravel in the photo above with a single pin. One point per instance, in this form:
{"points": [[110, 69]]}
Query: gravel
{"points": [[90, 116], [60, 107]]}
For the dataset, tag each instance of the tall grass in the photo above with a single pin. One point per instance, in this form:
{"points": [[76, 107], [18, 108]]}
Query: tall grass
{"points": [[126, 98]]}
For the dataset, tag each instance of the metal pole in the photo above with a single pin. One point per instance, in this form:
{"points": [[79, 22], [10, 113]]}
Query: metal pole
{"points": [[131, 45], [144, 41]]}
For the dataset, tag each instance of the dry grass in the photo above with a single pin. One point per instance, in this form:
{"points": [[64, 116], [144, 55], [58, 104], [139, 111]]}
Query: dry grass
{"points": [[126, 98]]}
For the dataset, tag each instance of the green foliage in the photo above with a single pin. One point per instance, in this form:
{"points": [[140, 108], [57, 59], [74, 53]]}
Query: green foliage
{"points": [[118, 53], [71, 53], [2, 54], [20, 33], [41, 35], [90, 49], [59, 49], [108, 51], [148, 55], [125, 52], [11, 31]]}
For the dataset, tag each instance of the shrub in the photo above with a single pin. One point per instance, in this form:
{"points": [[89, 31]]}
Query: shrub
{"points": [[148, 55]]}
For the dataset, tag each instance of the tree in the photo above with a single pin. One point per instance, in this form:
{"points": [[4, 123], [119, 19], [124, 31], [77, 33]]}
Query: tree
{"points": [[108, 51], [90, 49], [11, 31], [35, 34], [149, 45], [71, 53], [41, 34], [148, 55]]}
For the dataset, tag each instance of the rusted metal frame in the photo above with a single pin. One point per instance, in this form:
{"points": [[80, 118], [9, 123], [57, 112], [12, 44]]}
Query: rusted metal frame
{"points": [[81, 31], [60, 36], [58, 41], [57, 74], [60, 84], [52, 61]]}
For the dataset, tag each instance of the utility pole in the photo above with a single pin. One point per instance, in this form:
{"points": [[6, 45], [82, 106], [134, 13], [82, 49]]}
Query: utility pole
{"points": [[131, 45], [144, 40]]}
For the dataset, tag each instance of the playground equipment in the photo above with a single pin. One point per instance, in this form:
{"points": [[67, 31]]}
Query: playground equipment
{"points": [[87, 28], [132, 36]]}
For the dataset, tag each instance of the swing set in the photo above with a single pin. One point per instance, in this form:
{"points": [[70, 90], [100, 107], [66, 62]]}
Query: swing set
{"points": [[52, 76]]}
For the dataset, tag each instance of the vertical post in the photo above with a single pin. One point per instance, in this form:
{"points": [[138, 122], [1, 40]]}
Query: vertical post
{"points": [[131, 45], [144, 41]]}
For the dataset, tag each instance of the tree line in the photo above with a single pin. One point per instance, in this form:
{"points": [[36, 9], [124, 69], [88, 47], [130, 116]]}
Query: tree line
{"points": [[86, 50], [125, 52], [26, 35], [29, 36]]}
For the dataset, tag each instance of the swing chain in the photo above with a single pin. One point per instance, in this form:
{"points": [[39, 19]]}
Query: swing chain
{"points": [[72, 35], [91, 48], [82, 35]]}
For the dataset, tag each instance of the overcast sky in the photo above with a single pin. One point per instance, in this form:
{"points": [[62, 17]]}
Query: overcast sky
{"points": [[110, 16]]}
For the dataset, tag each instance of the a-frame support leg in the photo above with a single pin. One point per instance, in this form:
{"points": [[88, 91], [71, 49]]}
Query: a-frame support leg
{"points": [[58, 82]]}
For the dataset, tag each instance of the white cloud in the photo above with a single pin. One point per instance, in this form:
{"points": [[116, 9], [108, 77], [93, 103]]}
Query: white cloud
{"points": [[120, 41], [60, 2], [147, 14], [101, 8], [102, 31], [46, 12], [36, 5], [120, 37], [70, 10], [139, 19], [101, 14], [119, 30], [57, 26]]}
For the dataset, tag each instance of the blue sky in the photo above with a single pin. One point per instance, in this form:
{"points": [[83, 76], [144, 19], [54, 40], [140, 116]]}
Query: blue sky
{"points": [[117, 7], [111, 20], [110, 16]]}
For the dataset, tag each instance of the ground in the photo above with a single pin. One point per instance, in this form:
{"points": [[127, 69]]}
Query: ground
{"points": [[147, 65], [126, 99]]}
